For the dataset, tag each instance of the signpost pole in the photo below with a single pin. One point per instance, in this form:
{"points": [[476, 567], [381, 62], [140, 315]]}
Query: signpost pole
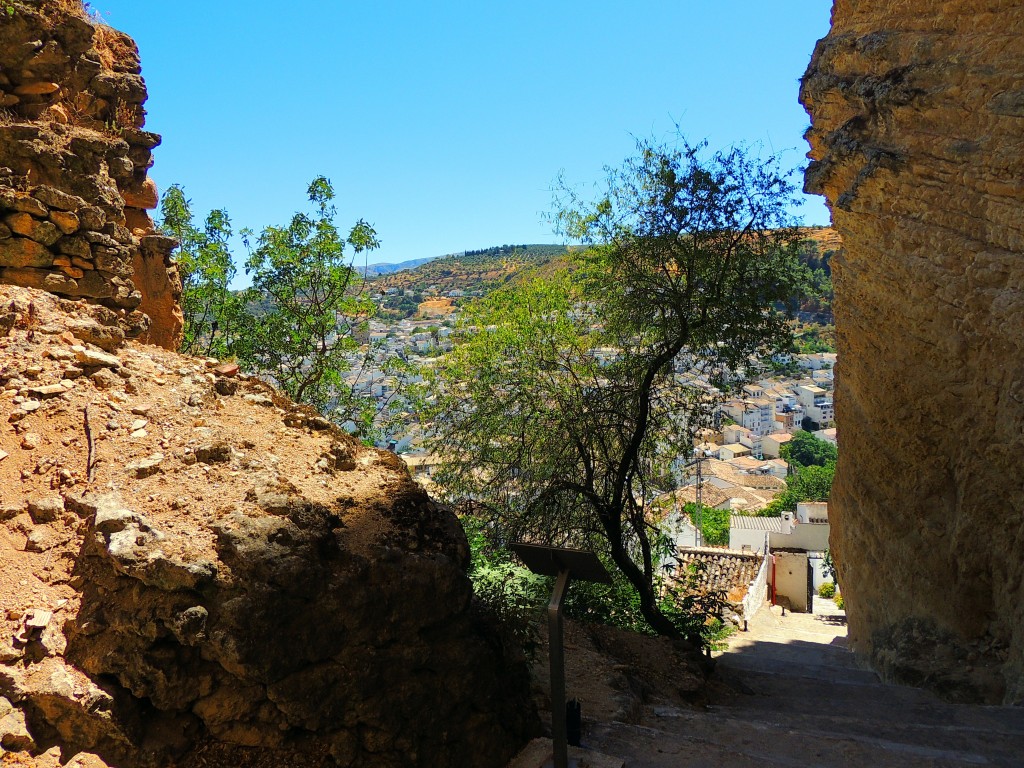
{"points": [[564, 565], [559, 738]]}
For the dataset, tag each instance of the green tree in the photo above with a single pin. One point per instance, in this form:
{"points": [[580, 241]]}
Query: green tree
{"points": [[311, 304], [210, 308], [713, 523], [812, 483], [806, 450], [692, 261]]}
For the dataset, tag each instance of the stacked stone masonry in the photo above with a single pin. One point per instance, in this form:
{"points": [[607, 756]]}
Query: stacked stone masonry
{"points": [[74, 190], [917, 141]]}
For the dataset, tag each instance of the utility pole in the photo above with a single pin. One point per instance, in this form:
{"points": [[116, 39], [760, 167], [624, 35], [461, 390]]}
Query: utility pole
{"points": [[698, 537]]}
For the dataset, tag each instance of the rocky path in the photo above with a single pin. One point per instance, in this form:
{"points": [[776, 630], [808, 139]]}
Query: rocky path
{"points": [[794, 696]]}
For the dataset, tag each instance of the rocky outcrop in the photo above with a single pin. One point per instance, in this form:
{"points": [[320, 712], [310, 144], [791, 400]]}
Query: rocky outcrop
{"points": [[917, 117], [74, 190], [198, 572]]}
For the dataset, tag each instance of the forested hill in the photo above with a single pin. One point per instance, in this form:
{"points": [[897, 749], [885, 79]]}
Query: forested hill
{"points": [[478, 270]]}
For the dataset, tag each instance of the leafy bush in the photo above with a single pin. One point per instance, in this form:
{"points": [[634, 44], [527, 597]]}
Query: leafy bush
{"points": [[713, 523], [696, 613], [512, 592], [517, 597], [717, 632], [840, 603], [806, 450], [695, 610], [827, 589], [811, 483], [616, 604]]}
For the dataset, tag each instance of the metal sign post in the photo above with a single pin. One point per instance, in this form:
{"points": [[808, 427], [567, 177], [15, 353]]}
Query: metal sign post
{"points": [[564, 565]]}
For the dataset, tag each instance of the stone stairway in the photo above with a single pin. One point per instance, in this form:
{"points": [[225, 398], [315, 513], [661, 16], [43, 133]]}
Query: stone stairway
{"points": [[793, 695]]}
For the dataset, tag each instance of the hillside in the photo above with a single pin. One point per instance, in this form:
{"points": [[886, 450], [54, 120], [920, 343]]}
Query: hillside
{"points": [[420, 289], [426, 288], [479, 270]]}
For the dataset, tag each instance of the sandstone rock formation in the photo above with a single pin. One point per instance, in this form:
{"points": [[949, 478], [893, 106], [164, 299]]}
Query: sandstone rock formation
{"points": [[74, 193], [917, 122], [197, 572]]}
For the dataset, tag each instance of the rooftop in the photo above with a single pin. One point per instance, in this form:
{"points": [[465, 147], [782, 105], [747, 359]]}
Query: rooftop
{"points": [[751, 523], [724, 569]]}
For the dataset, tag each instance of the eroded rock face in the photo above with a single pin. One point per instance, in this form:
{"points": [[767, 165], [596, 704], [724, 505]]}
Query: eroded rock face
{"points": [[196, 574], [917, 117], [290, 631], [74, 190]]}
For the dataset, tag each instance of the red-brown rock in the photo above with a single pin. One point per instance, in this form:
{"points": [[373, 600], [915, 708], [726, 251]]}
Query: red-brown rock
{"points": [[39, 88], [22, 252], [161, 290], [144, 196], [73, 96]]}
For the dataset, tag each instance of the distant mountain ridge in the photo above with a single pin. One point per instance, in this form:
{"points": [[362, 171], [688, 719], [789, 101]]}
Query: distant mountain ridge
{"points": [[373, 270], [477, 272]]}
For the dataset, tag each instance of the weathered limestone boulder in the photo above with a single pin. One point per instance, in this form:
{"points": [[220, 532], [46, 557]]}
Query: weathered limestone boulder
{"points": [[917, 117], [74, 189]]}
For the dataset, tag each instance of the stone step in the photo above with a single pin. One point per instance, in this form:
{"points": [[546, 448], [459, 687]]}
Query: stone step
{"points": [[807, 701], [807, 670]]}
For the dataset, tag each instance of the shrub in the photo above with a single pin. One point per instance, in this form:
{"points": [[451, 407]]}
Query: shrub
{"points": [[517, 597], [840, 603], [827, 589], [510, 591]]}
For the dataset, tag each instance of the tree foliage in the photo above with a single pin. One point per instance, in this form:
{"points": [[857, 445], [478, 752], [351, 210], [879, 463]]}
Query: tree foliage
{"points": [[210, 308], [562, 401], [828, 567], [805, 450], [812, 483], [813, 464], [517, 597], [311, 303], [296, 324], [713, 523]]}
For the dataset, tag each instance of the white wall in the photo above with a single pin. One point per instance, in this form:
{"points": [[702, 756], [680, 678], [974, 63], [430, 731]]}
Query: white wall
{"points": [[812, 537], [791, 579], [740, 536], [817, 569], [758, 590]]}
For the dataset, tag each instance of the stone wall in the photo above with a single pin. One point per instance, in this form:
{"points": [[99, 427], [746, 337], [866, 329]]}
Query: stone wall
{"points": [[74, 193], [917, 122]]}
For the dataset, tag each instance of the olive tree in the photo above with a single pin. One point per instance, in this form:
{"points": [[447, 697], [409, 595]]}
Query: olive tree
{"points": [[570, 393]]}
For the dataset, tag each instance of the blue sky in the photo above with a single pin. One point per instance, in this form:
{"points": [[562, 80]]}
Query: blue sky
{"points": [[444, 124]]}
